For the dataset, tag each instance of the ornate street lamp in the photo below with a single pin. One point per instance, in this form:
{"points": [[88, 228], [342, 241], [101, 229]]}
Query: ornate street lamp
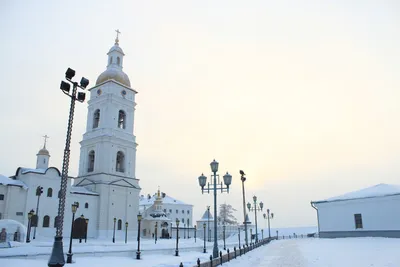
{"points": [[28, 234], [115, 220], [223, 233], [155, 233], [57, 253], [177, 237], [269, 216], [255, 209], [74, 207], [243, 179], [139, 219], [204, 249], [126, 232], [214, 186], [195, 230], [39, 192]]}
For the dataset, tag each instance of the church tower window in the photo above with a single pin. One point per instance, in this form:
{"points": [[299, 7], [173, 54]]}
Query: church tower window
{"points": [[119, 224], [118, 61], [46, 221], [120, 164], [110, 61], [91, 161], [49, 192], [86, 205], [121, 119], [96, 118]]}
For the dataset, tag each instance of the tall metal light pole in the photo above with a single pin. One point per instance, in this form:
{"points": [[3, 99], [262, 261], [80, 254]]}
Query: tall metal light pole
{"points": [[139, 218], [223, 233], [208, 223], [214, 186], [204, 249], [115, 220], [57, 253], [28, 234], [195, 230], [39, 192], [177, 237], [239, 236], [126, 232], [243, 179], [255, 209], [269, 216], [74, 207]]}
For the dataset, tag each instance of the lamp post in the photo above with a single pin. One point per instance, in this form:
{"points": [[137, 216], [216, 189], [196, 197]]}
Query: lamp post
{"points": [[82, 219], [139, 218], [195, 230], [39, 192], [184, 231], [57, 254], [262, 233], [204, 248], [223, 234], [269, 216], [214, 186], [28, 234], [208, 222], [255, 209], [177, 237], [115, 220], [251, 236], [239, 235], [126, 232], [74, 207], [243, 179], [155, 233], [87, 224]]}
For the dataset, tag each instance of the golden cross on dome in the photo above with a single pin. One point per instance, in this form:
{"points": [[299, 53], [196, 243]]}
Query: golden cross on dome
{"points": [[118, 33], [45, 140]]}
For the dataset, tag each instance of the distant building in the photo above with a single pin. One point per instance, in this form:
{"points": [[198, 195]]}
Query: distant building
{"points": [[372, 211]]}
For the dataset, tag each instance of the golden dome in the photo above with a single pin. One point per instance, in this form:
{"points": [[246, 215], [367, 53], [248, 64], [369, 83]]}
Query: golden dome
{"points": [[115, 74], [44, 152]]}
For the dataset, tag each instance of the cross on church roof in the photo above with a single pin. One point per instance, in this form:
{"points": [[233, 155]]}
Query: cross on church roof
{"points": [[45, 140], [118, 33]]}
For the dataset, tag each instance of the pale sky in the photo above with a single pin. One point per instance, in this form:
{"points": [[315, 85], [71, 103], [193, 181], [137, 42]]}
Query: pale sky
{"points": [[301, 95]]}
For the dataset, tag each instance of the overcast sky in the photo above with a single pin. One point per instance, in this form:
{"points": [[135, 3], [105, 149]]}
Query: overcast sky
{"points": [[301, 95]]}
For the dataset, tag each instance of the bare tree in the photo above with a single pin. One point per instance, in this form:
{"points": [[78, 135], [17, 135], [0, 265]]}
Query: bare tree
{"points": [[226, 214]]}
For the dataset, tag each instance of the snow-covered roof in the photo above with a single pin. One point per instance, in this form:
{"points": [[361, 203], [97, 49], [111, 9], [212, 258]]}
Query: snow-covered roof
{"points": [[378, 190], [26, 170], [8, 181], [143, 200], [206, 215], [82, 190]]}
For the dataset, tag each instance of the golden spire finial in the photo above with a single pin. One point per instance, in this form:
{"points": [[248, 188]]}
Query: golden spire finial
{"points": [[158, 192], [117, 39]]}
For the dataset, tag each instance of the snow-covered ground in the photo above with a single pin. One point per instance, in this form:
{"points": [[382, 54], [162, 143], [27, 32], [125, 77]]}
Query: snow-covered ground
{"points": [[310, 252]]}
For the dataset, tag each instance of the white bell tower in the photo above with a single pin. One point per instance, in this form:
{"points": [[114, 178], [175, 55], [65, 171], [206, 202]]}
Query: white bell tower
{"points": [[108, 149]]}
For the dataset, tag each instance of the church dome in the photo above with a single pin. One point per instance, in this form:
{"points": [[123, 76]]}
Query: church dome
{"points": [[44, 152], [114, 74]]}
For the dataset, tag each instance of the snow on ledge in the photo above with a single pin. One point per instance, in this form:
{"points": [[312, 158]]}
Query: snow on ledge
{"points": [[82, 190], [8, 181], [378, 190]]}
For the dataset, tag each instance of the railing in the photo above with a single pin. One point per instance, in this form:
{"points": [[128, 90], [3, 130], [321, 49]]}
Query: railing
{"points": [[230, 255]]}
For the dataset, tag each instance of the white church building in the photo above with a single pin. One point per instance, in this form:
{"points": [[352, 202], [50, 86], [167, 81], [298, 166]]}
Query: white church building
{"points": [[373, 211], [106, 186]]}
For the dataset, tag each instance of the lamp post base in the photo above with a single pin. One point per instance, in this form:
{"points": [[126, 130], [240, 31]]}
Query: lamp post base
{"points": [[204, 250], [69, 257], [176, 253], [138, 255], [57, 254]]}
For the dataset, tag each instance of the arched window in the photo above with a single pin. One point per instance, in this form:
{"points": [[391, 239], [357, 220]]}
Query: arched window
{"points": [[121, 119], [120, 163], [118, 61], [183, 220], [119, 224], [46, 221], [110, 61], [91, 161], [96, 118], [49, 192], [86, 205]]}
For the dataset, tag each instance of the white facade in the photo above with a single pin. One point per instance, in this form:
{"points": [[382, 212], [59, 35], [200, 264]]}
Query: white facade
{"points": [[372, 211], [106, 187]]}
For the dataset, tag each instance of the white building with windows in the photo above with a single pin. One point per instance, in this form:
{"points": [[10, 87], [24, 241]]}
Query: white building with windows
{"points": [[372, 211], [106, 186], [165, 210]]}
